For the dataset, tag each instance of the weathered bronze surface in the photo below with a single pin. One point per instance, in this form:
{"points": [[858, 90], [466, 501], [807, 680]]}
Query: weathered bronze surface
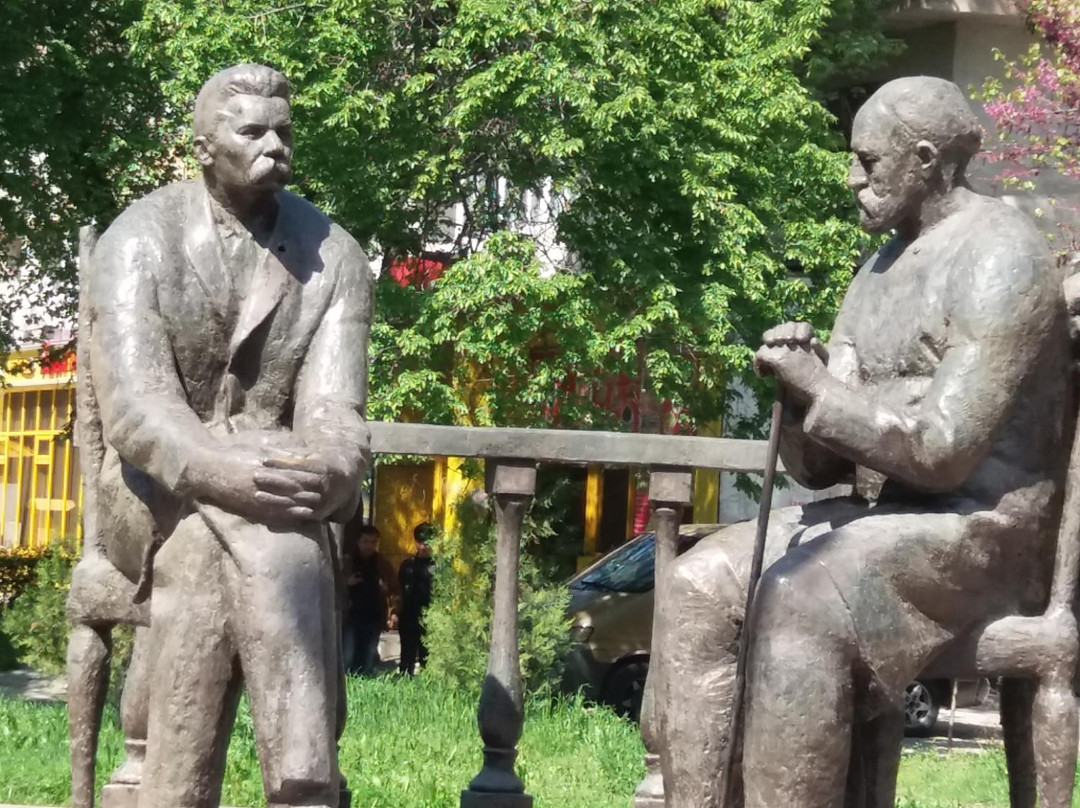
{"points": [[227, 346], [943, 396]]}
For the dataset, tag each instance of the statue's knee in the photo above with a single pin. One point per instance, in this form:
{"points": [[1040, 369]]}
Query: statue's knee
{"points": [[702, 580], [800, 600]]}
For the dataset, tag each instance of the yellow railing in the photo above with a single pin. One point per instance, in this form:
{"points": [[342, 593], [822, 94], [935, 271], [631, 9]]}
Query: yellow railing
{"points": [[40, 491]]}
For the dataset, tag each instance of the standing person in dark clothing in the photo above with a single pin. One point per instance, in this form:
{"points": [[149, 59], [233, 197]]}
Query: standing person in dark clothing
{"points": [[414, 583], [370, 589]]}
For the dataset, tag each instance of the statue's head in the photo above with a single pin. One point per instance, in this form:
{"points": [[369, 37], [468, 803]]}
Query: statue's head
{"points": [[243, 129], [912, 139]]}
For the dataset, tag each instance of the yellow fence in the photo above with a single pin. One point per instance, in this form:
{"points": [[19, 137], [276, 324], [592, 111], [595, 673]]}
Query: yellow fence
{"points": [[40, 494]]}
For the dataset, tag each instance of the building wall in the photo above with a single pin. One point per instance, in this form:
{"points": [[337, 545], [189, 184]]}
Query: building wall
{"points": [[404, 498]]}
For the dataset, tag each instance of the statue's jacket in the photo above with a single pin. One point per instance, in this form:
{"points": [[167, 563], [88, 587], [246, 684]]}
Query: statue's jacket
{"points": [[180, 362], [947, 401]]}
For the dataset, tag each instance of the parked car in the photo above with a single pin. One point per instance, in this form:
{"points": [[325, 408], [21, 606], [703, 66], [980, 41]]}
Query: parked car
{"points": [[611, 603], [925, 699]]}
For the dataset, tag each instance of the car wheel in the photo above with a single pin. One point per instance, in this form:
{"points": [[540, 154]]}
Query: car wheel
{"points": [[921, 705], [625, 686]]}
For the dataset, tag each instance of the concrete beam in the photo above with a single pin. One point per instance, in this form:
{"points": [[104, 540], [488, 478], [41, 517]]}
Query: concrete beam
{"points": [[908, 12], [568, 446]]}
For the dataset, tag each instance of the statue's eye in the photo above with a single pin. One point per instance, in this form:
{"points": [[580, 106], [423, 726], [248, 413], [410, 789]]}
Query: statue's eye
{"points": [[252, 132]]}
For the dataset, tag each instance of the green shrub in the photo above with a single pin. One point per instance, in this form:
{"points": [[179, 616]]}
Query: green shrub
{"points": [[459, 619], [8, 658], [16, 570], [34, 628], [35, 622]]}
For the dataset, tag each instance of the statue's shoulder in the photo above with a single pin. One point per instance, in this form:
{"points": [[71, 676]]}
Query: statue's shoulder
{"points": [[996, 227], [154, 216], [1008, 256], [339, 250]]}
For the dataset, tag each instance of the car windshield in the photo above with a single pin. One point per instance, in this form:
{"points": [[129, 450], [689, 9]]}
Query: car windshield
{"points": [[629, 569]]}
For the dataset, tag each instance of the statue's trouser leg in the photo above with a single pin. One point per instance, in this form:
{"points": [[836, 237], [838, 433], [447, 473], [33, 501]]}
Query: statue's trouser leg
{"points": [[88, 673], [858, 610], [797, 741], [875, 759], [280, 598], [195, 685], [692, 673], [1017, 705]]}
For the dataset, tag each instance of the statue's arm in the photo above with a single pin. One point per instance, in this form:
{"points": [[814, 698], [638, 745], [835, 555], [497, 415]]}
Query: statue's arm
{"points": [[144, 412], [331, 391], [811, 464], [1002, 313]]}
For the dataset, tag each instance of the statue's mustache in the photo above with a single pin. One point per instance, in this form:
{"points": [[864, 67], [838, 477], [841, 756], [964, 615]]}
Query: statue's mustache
{"points": [[266, 164]]}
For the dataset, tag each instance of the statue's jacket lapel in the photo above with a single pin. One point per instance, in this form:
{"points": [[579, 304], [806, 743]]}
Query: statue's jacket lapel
{"points": [[237, 364]]}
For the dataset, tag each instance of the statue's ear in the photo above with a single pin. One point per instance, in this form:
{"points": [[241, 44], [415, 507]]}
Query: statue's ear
{"points": [[204, 151], [929, 156]]}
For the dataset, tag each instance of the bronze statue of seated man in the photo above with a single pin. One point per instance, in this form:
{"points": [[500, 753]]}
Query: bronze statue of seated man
{"points": [[228, 346], [942, 395]]}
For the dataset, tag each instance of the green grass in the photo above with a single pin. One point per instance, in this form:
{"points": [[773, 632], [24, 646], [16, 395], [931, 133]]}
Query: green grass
{"points": [[414, 744], [929, 780], [408, 744]]}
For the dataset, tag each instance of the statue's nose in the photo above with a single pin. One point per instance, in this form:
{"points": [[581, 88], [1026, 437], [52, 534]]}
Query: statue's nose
{"points": [[857, 179], [273, 146]]}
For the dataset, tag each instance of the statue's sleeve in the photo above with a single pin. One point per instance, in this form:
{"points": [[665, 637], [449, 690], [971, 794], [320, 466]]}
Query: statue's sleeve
{"points": [[331, 390], [1002, 311], [144, 411], [810, 463]]}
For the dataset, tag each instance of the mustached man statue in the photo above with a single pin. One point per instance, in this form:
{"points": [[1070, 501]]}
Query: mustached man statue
{"points": [[942, 393], [227, 343]]}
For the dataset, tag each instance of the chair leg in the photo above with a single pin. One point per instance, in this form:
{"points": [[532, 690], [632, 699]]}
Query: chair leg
{"points": [[134, 714], [1055, 731], [88, 679], [1017, 701]]}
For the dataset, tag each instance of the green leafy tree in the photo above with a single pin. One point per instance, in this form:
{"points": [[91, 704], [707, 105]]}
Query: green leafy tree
{"points": [[680, 149], [36, 622], [78, 140], [700, 184]]}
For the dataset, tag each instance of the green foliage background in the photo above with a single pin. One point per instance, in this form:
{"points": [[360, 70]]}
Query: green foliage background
{"points": [[704, 181], [458, 622], [697, 181], [79, 138], [36, 622]]}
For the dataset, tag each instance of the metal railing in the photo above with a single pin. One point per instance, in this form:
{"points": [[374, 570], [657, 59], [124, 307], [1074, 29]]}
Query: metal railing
{"points": [[39, 481], [512, 456]]}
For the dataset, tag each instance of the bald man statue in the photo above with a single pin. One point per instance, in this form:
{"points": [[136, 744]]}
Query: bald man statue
{"points": [[942, 395], [229, 351]]}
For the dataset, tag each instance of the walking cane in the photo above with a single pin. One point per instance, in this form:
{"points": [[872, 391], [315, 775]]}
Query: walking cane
{"points": [[735, 728]]}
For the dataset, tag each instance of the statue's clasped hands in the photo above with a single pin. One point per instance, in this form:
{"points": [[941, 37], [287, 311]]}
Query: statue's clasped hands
{"points": [[270, 485], [793, 353], [296, 486]]}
